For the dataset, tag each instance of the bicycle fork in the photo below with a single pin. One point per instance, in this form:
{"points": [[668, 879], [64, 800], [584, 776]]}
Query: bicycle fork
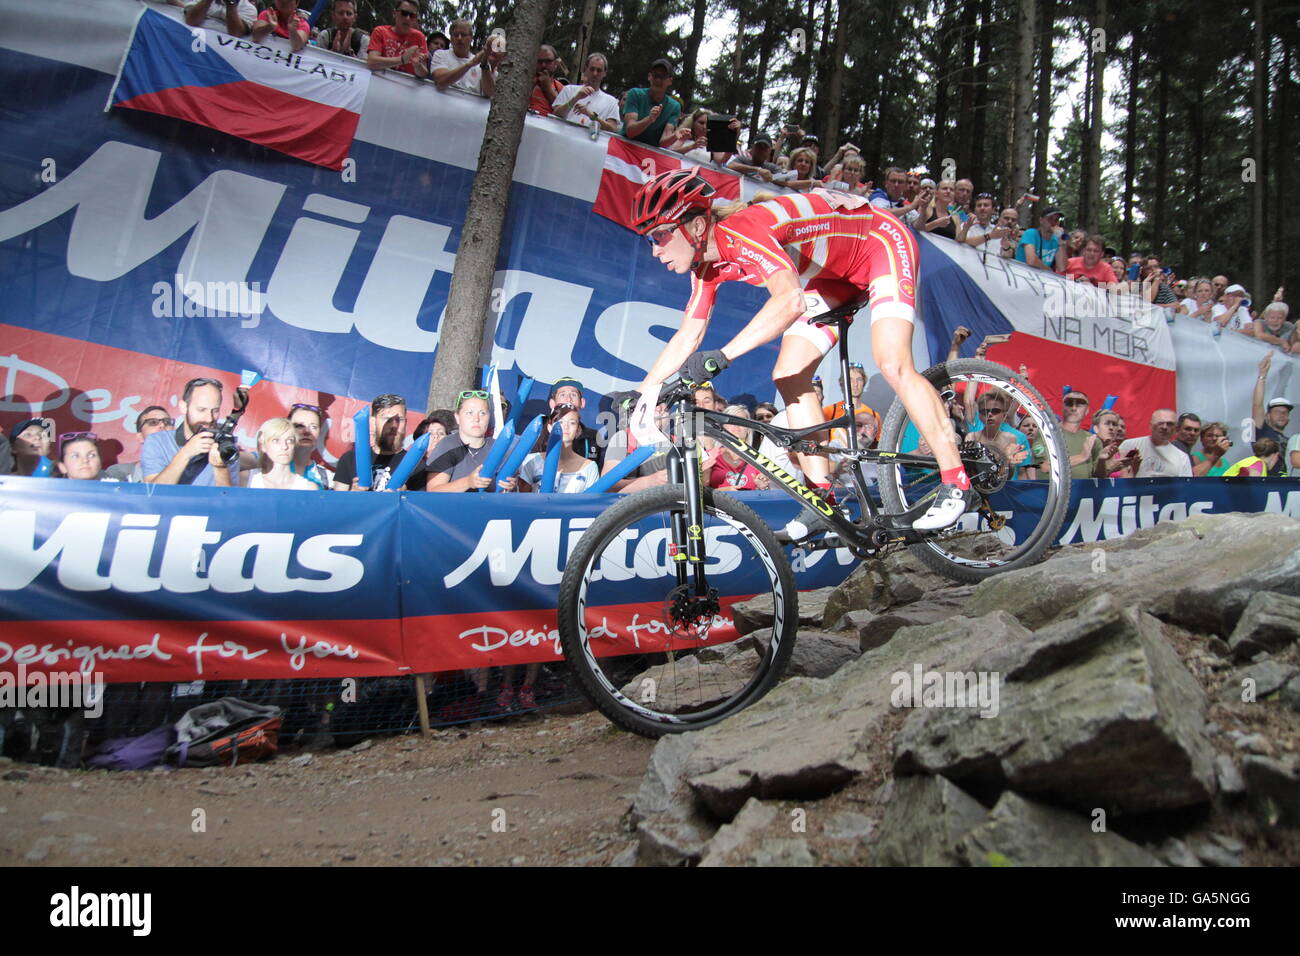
{"points": [[688, 526]]}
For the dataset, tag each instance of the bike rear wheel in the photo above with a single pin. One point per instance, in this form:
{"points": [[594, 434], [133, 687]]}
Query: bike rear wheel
{"points": [[1033, 510], [653, 654]]}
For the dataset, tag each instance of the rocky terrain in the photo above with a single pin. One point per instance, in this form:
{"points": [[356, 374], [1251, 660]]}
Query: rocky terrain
{"points": [[1135, 702]]}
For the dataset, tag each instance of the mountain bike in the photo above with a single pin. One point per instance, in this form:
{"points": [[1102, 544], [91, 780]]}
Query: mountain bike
{"points": [[643, 619]]}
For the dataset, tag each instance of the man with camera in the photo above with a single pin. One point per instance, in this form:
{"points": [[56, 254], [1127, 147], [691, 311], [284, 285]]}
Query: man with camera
{"points": [[199, 451]]}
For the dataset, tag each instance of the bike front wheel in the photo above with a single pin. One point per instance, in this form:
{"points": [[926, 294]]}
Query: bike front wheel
{"points": [[654, 650], [1019, 518]]}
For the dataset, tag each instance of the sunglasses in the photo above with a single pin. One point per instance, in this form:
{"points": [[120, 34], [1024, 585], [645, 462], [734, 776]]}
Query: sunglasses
{"points": [[164, 422], [659, 237], [1076, 401], [983, 195], [311, 408], [471, 393], [409, 13], [857, 365], [992, 410], [73, 436]]}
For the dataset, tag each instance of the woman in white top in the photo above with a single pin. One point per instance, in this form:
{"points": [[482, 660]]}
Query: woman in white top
{"points": [[1200, 305], [574, 473], [276, 440]]}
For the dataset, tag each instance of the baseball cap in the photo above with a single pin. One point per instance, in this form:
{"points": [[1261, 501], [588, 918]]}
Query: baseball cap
{"points": [[761, 139], [23, 426], [1238, 289], [1051, 212], [1280, 403], [561, 383], [666, 64], [811, 138]]}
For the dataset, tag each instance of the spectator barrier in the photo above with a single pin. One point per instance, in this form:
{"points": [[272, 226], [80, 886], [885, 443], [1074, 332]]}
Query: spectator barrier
{"points": [[137, 248]]}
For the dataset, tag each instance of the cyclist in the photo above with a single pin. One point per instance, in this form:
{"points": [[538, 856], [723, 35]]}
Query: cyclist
{"points": [[830, 244]]}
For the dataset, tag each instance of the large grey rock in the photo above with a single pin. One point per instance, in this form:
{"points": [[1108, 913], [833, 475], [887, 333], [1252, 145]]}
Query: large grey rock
{"points": [[808, 737], [760, 835], [758, 611], [1273, 788], [897, 579], [1228, 776], [1211, 854], [1200, 573], [1264, 678], [819, 654], [1270, 622], [1290, 694], [925, 822], [694, 682], [1094, 711], [1021, 832], [670, 831], [874, 628]]}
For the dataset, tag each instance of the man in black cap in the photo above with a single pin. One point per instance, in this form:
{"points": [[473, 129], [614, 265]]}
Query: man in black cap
{"points": [[758, 161], [29, 441], [650, 115], [1038, 247]]}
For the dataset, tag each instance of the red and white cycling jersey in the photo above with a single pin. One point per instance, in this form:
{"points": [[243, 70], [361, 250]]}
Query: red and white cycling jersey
{"points": [[832, 249]]}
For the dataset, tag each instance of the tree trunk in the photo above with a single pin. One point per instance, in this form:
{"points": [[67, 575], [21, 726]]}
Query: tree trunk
{"points": [[966, 83], [1092, 156], [799, 114], [831, 134], [686, 85], [736, 84], [1280, 164], [1196, 123], [1042, 140], [1261, 179], [1081, 211], [461, 332], [584, 38], [1130, 144], [1022, 147], [764, 58], [979, 117], [1162, 158], [939, 139]]}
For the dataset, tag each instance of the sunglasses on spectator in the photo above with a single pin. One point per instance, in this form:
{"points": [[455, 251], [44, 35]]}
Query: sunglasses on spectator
{"points": [[164, 422], [992, 410], [471, 393], [857, 365], [407, 13], [1076, 401], [73, 436], [983, 195], [311, 408]]}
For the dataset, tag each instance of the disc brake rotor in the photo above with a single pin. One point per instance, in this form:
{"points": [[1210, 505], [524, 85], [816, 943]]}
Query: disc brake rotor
{"points": [[690, 615]]}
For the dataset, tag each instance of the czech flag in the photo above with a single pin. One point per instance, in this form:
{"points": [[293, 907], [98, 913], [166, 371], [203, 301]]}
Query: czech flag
{"points": [[1065, 333], [306, 104], [628, 165]]}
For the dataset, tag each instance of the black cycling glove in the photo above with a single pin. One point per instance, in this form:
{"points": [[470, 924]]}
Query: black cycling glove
{"points": [[703, 366]]}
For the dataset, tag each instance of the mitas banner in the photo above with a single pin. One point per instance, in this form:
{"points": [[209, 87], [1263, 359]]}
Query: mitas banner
{"points": [[173, 583]]}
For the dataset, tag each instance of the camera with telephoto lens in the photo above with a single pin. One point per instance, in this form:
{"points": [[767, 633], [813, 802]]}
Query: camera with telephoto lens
{"points": [[224, 431]]}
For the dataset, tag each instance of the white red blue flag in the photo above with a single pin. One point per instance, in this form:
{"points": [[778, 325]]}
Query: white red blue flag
{"points": [[629, 165], [306, 104]]}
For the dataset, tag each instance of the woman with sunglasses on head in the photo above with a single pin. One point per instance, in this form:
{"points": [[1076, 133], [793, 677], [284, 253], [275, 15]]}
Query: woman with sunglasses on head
{"points": [[842, 245], [455, 462], [79, 457], [308, 421]]}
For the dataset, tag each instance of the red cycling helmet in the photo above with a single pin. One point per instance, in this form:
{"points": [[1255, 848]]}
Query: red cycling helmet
{"points": [[666, 198]]}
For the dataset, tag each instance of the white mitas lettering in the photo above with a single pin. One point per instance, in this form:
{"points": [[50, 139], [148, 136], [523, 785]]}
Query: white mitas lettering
{"points": [[540, 549], [77, 546], [110, 192]]}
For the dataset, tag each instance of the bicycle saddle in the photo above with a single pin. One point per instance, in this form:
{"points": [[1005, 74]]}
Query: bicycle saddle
{"points": [[842, 314]]}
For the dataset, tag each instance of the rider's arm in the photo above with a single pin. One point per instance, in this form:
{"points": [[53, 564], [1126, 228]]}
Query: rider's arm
{"points": [[783, 308], [684, 343]]}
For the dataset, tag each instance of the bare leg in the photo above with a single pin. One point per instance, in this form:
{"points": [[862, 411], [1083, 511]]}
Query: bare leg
{"points": [[891, 347], [793, 375]]}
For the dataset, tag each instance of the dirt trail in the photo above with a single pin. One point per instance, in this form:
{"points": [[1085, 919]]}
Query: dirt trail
{"points": [[556, 788]]}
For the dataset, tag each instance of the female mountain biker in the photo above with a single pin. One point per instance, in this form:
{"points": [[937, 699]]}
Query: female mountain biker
{"points": [[832, 245]]}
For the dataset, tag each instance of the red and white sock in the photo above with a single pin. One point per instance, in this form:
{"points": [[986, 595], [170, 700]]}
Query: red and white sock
{"points": [[956, 477]]}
